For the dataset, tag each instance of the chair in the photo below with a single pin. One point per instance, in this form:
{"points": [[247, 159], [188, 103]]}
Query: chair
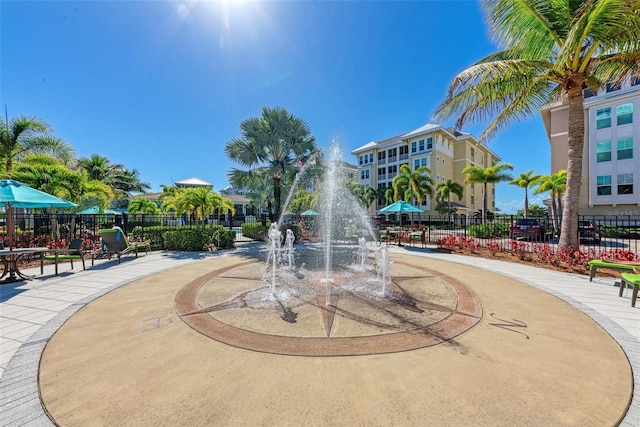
{"points": [[116, 243], [74, 251], [594, 264], [633, 281]]}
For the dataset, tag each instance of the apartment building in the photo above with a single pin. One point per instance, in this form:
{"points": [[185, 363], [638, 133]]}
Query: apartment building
{"points": [[444, 151], [610, 163]]}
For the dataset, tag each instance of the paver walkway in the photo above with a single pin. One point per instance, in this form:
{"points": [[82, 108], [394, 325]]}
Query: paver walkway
{"points": [[31, 312]]}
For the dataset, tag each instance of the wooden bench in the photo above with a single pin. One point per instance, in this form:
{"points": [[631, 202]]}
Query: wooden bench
{"points": [[633, 281], [594, 264]]}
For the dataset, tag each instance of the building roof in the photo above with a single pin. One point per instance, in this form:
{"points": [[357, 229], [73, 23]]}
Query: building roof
{"points": [[237, 199], [422, 129], [195, 182], [374, 144]]}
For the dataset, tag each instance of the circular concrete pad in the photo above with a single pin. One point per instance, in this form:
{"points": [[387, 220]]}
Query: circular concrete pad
{"points": [[421, 308], [128, 359]]}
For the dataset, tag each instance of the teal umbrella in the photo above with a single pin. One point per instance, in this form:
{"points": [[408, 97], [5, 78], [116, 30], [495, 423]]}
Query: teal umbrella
{"points": [[95, 210], [15, 194], [309, 212], [402, 207]]}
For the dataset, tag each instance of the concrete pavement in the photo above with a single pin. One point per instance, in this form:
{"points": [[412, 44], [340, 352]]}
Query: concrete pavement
{"points": [[31, 312]]}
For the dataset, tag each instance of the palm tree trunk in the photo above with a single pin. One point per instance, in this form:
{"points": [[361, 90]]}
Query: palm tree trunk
{"points": [[484, 203], [569, 233], [526, 202], [277, 190]]}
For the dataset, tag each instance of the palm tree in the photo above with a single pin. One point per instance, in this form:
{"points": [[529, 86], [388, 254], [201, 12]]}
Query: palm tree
{"points": [[552, 51], [142, 206], [122, 181], [489, 175], [23, 135], [275, 144], [444, 190], [199, 202], [370, 195], [411, 185], [51, 176], [525, 180], [556, 185]]}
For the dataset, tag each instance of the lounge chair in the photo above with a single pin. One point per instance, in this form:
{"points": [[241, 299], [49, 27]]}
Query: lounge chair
{"points": [[74, 251], [633, 281], [594, 264], [116, 243]]}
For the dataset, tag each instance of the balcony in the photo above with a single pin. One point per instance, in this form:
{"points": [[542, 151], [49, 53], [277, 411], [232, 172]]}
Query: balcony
{"points": [[393, 159]]}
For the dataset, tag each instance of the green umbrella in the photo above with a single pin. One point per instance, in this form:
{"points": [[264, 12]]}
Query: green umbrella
{"points": [[15, 194]]}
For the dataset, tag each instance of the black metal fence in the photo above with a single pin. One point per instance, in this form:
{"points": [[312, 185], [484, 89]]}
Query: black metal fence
{"points": [[40, 229], [596, 233]]}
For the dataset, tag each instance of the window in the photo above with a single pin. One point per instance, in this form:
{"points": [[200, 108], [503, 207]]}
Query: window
{"points": [[603, 183], [625, 148], [473, 155], [414, 147], [438, 159], [429, 143], [603, 152], [589, 94], [421, 145], [404, 150], [364, 174], [603, 118], [424, 161], [635, 81], [381, 172], [624, 114], [382, 155], [625, 183], [361, 160], [612, 87], [371, 158]]}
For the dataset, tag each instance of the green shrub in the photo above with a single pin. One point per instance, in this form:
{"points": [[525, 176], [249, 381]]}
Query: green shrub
{"points": [[484, 231], [186, 237], [253, 230], [131, 225]]}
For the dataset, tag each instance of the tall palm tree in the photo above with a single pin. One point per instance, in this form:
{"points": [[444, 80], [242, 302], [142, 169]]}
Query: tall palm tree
{"points": [[23, 135], [444, 190], [525, 180], [275, 144], [552, 50], [556, 185], [489, 175], [412, 186]]}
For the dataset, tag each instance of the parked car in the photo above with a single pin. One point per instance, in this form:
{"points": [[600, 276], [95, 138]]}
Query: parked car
{"points": [[527, 228], [588, 230]]}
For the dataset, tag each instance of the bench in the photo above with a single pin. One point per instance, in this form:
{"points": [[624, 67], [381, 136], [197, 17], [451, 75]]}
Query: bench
{"points": [[633, 281], [594, 264]]}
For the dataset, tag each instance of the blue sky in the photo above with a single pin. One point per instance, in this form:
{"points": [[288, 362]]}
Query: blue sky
{"points": [[162, 86]]}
